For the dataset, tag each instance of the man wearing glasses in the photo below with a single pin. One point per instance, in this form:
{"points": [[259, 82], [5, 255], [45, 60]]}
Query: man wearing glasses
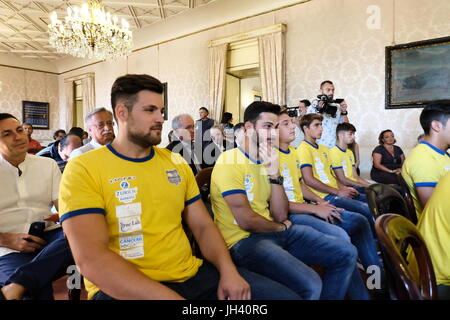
{"points": [[100, 124]]}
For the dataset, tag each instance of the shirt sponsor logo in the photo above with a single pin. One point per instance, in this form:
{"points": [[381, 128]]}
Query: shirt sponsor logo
{"points": [[126, 195], [133, 253], [174, 177], [130, 224], [131, 242], [126, 210]]}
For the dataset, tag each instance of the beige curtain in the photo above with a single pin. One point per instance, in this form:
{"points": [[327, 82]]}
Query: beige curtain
{"points": [[273, 67], [68, 88], [88, 91], [217, 72]]}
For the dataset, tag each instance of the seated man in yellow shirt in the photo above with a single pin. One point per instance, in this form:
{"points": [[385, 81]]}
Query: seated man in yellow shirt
{"points": [[122, 207], [251, 210], [343, 161], [429, 161], [434, 225]]}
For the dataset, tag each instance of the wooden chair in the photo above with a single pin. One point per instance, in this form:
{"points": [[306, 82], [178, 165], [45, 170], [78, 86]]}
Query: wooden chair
{"points": [[383, 198], [203, 179], [408, 197], [413, 279]]}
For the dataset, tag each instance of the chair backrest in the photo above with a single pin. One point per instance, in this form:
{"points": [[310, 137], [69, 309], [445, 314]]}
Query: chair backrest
{"points": [[203, 179], [406, 193], [412, 279], [382, 199]]}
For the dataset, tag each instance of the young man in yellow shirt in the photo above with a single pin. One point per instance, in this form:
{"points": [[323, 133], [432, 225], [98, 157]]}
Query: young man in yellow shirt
{"points": [[434, 225], [320, 214], [316, 171], [343, 160], [122, 207], [429, 161], [251, 210]]}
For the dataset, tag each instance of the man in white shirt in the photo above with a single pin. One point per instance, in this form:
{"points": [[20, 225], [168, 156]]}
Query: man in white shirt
{"points": [[28, 262], [100, 127]]}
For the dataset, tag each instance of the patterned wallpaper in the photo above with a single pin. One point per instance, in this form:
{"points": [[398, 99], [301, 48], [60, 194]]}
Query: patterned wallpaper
{"points": [[19, 85], [326, 39]]}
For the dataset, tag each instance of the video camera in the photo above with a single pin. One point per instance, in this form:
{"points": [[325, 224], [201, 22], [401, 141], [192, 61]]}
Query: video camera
{"points": [[293, 112], [329, 106]]}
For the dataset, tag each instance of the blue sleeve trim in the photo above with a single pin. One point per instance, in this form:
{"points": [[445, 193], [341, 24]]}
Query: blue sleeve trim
{"points": [[335, 168], [197, 197], [305, 165], [80, 212], [234, 191], [425, 184]]}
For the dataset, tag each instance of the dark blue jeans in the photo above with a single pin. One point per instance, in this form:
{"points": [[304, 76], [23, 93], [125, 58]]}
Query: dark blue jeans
{"points": [[358, 205], [37, 270], [354, 228], [203, 286], [285, 256]]}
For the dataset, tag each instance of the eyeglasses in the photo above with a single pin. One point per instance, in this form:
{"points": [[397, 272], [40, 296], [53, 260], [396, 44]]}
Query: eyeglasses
{"points": [[101, 125]]}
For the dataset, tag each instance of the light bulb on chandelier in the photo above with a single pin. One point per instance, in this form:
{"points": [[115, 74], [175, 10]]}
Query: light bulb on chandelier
{"points": [[90, 32]]}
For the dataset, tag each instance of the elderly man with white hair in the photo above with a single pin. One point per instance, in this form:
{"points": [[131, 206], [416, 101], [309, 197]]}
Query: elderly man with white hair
{"points": [[99, 123], [184, 130]]}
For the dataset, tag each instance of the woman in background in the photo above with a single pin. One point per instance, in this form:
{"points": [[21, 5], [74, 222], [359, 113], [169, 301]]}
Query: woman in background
{"points": [[387, 159]]}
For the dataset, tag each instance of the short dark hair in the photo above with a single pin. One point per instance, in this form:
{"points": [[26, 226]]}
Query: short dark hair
{"points": [[307, 119], [4, 116], [253, 111], [227, 116], [204, 109], [439, 112], [57, 132], [380, 137], [238, 126], [76, 131], [64, 142], [126, 88], [345, 127], [325, 82], [306, 102]]}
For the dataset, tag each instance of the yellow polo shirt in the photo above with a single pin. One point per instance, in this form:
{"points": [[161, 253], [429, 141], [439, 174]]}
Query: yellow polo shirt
{"points": [[434, 226], [236, 172], [290, 170], [423, 167], [317, 157], [343, 159], [142, 201]]}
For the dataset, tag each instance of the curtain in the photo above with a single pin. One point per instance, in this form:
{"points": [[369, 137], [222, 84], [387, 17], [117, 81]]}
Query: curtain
{"points": [[88, 91], [217, 73], [69, 98], [272, 63]]}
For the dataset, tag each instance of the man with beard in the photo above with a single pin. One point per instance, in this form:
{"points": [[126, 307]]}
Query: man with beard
{"points": [[100, 126], [122, 208]]}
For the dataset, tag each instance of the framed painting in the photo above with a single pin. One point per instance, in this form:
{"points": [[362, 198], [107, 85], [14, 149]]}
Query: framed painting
{"points": [[36, 113], [418, 74]]}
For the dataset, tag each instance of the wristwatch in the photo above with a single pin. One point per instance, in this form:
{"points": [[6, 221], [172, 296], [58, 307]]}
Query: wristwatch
{"points": [[278, 180], [344, 113]]}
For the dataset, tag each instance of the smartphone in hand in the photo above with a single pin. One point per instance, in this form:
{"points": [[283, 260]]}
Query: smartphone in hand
{"points": [[37, 229]]}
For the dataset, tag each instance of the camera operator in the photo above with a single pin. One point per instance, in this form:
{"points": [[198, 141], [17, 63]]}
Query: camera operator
{"points": [[334, 112], [299, 112]]}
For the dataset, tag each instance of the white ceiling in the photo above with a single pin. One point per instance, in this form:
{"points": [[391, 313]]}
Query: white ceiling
{"points": [[23, 23]]}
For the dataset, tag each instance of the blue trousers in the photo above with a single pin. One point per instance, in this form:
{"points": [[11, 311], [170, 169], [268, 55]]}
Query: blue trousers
{"points": [[37, 270], [354, 228], [358, 205], [203, 286], [285, 256]]}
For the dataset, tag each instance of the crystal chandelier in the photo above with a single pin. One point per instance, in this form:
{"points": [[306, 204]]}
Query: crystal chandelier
{"points": [[90, 32]]}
